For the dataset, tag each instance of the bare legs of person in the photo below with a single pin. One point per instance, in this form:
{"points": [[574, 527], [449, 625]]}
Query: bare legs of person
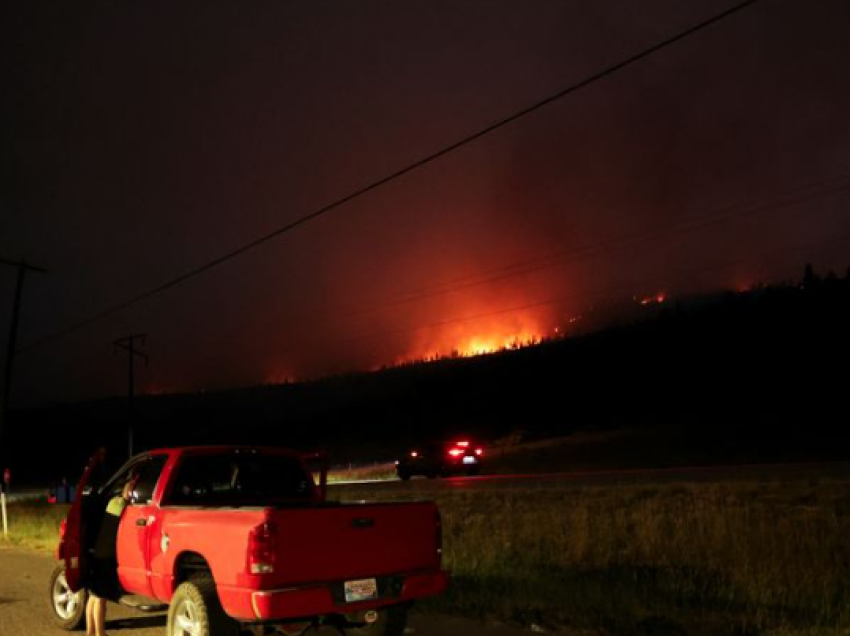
{"points": [[95, 616]]}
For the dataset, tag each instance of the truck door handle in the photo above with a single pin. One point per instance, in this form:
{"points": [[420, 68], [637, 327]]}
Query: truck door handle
{"points": [[141, 521]]}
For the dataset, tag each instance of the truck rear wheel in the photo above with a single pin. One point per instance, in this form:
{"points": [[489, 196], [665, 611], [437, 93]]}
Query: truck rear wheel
{"points": [[391, 622], [68, 609], [196, 611]]}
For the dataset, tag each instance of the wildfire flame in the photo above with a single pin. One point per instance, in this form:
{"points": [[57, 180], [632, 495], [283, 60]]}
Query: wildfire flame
{"points": [[480, 345], [483, 337]]}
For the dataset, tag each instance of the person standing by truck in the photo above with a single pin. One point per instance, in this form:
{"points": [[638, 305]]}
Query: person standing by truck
{"points": [[104, 585]]}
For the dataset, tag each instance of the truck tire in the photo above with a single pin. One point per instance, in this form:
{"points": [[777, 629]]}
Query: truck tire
{"points": [[196, 611], [67, 608], [391, 622]]}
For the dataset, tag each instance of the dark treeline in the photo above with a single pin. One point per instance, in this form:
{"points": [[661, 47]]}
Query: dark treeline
{"points": [[763, 373]]}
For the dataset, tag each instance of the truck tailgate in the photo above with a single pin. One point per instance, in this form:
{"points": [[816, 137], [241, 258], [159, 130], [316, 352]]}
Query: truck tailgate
{"points": [[353, 541]]}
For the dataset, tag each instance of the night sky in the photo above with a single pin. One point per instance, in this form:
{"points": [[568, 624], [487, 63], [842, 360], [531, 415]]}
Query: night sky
{"points": [[141, 140]]}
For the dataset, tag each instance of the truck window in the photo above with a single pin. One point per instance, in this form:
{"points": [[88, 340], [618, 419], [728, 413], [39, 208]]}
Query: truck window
{"points": [[146, 478], [144, 474], [240, 479]]}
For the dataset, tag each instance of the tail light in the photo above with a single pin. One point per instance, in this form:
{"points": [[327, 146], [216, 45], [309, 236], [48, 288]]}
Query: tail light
{"points": [[455, 452], [262, 549], [462, 444], [479, 451], [63, 528]]}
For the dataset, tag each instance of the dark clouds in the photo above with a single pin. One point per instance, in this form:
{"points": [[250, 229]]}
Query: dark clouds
{"points": [[140, 140]]}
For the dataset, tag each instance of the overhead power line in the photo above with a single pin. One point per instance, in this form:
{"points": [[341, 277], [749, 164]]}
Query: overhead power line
{"points": [[416, 165], [6, 387]]}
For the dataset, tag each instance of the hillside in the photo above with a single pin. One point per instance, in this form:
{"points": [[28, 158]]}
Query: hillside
{"points": [[762, 373]]}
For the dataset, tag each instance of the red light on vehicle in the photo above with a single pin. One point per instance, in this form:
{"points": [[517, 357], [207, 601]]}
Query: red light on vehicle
{"points": [[63, 528], [414, 454], [463, 444], [479, 451], [455, 452], [262, 544]]}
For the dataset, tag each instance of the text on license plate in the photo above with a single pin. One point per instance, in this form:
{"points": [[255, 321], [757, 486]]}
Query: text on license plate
{"points": [[469, 460], [362, 590]]}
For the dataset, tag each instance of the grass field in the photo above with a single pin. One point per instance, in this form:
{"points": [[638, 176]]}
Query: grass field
{"points": [[35, 524], [771, 557], [370, 472]]}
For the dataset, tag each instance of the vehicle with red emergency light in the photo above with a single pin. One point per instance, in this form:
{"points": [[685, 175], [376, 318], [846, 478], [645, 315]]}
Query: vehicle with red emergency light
{"points": [[242, 540], [444, 459]]}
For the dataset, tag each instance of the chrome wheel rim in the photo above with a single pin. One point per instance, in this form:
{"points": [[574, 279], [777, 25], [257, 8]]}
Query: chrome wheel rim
{"points": [[65, 602], [186, 619]]}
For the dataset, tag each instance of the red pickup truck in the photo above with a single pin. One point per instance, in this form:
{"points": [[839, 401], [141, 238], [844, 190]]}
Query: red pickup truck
{"points": [[242, 540]]}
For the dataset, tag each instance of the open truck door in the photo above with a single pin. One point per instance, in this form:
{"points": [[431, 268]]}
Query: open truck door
{"points": [[71, 543]]}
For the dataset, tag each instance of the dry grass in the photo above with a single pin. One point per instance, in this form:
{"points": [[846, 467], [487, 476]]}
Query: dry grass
{"points": [[724, 558], [35, 524], [371, 472]]}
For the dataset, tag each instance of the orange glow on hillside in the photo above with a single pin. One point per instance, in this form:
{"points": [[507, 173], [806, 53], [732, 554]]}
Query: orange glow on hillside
{"points": [[743, 285], [479, 345], [465, 340], [278, 375]]}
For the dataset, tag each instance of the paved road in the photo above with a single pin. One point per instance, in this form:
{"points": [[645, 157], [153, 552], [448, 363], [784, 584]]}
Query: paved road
{"points": [[579, 479], [24, 610]]}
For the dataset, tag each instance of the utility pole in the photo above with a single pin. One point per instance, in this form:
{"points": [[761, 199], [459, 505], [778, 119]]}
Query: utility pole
{"points": [[128, 344], [23, 267]]}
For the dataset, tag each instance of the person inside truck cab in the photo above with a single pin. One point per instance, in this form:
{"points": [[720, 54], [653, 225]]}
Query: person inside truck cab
{"points": [[104, 584]]}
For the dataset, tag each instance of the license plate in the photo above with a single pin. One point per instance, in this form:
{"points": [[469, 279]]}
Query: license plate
{"points": [[362, 590], [469, 460]]}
